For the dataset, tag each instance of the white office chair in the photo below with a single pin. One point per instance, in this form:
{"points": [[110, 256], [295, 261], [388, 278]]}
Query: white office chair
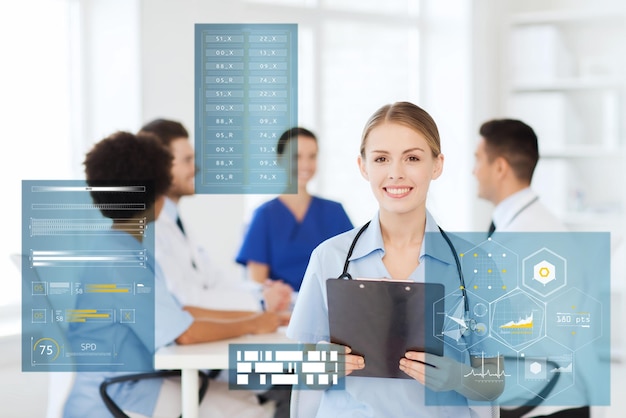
{"points": [[117, 412]]}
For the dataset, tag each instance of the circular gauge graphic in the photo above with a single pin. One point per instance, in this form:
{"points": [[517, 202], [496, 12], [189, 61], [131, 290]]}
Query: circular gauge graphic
{"points": [[480, 329], [45, 350], [480, 310]]}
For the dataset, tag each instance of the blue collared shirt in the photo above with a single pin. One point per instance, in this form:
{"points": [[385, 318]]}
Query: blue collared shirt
{"points": [[367, 396], [140, 396]]}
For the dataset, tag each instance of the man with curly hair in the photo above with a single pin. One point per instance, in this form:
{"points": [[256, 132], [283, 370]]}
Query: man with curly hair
{"points": [[125, 159]]}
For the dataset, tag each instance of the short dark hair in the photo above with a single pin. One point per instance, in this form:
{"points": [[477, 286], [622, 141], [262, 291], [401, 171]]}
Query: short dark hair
{"points": [[514, 141], [125, 159], [166, 130], [290, 134]]}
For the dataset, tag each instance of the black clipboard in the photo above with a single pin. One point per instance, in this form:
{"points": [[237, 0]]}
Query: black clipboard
{"points": [[381, 320]]}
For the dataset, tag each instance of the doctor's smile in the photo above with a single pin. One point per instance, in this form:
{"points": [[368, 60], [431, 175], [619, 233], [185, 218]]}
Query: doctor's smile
{"points": [[397, 191]]}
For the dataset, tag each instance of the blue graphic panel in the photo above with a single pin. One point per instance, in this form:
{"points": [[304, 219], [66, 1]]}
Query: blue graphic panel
{"points": [[87, 285], [540, 302], [246, 84]]}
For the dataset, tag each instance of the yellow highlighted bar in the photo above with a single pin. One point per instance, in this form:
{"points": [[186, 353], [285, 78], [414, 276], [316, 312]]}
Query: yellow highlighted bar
{"points": [[106, 290], [520, 326], [95, 315]]}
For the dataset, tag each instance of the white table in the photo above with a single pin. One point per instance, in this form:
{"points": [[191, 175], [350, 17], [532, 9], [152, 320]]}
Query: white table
{"points": [[193, 357]]}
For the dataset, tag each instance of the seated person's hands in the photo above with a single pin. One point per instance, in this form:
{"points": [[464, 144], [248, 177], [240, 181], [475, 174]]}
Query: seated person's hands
{"points": [[284, 317], [277, 296], [268, 322]]}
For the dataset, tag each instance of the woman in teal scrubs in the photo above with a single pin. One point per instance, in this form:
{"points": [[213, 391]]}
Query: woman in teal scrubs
{"points": [[284, 231]]}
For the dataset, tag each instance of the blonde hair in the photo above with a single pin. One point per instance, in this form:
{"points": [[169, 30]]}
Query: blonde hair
{"points": [[409, 115]]}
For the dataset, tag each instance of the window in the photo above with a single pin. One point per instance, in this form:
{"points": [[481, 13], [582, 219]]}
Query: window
{"points": [[354, 56], [36, 102], [66, 88]]}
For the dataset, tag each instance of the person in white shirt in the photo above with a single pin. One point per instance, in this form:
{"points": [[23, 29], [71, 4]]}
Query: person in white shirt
{"points": [[191, 276], [505, 159], [189, 273]]}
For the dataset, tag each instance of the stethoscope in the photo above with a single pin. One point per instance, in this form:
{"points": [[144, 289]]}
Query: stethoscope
{"points": [[469, 323]]}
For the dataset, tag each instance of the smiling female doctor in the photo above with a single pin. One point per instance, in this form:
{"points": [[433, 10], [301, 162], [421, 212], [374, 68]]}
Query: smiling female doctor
{"points": [[400, 155]]}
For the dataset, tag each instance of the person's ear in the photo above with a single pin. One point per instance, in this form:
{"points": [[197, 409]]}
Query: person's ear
{"points": [[438, 166], [501, 167], [362, 168]]}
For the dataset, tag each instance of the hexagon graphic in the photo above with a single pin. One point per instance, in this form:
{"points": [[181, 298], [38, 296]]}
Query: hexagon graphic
{"points": [[518, 319], [535, 367], [544, 272], [574, 318], [530, 372], [491, 269], [455, 326], [545, 361]]}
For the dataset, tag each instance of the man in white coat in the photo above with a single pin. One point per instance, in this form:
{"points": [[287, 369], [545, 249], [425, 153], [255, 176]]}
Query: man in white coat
{"points": [[505, 159], [190, 275]]}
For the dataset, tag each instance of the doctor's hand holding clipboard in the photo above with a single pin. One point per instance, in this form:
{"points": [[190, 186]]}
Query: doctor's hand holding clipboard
{"points": [[400, 155]]}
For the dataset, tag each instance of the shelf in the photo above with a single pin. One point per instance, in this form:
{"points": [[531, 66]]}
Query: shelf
{"points": [[591, 218], [570, 84], [567, 16], [564, 75], [584, 151]]}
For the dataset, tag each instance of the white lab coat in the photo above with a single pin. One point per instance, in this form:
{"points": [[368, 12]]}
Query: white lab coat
{"points": [[524, 212], [205, 286], [520, 212]]}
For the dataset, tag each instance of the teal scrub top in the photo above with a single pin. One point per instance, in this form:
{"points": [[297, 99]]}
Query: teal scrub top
{"points": [[277, 239]]}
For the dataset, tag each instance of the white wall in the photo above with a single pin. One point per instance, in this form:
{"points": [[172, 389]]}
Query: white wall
{"points": [[110, 72], [485, 76], [22, 395], [103, 97], [447, 93]]}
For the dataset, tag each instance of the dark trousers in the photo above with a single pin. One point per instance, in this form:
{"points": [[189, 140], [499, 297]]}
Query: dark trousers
{"points": [[582, 412], [282, 396]]}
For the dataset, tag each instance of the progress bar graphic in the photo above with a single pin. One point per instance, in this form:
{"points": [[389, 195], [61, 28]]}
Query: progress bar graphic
{"points": [[89, 315], [88, 258], [107, 288]]}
